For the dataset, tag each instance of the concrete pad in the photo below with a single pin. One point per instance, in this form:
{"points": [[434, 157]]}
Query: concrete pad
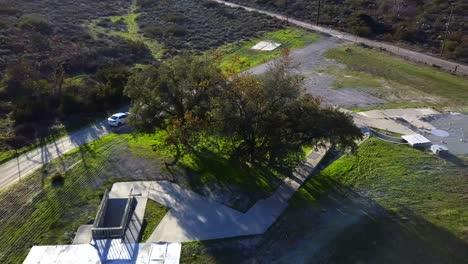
{"points": [[83, 235], [455, 137], [116, 252], [266, 46], [384, 124], [412, 116]]}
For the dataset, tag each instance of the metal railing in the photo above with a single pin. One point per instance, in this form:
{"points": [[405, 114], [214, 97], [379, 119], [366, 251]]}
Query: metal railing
{"points": [[100, 232]]}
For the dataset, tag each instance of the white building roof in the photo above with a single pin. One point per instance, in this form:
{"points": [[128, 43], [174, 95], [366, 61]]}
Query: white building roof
{"points": [[114, 251], [416, 139]]}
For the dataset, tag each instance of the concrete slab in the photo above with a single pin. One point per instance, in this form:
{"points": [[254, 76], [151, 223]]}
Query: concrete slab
{"points": [[456, 136], [83, 235], [266, 46], [413, 116], [114, 252]]}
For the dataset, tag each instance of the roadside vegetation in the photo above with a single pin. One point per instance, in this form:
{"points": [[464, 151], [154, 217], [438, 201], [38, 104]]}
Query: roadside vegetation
{"points": [[388, 204], [396, 80], [432, 26]]}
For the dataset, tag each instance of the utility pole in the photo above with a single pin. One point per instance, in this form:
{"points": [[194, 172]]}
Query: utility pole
{"points": [[319, 5], [447, 25]]}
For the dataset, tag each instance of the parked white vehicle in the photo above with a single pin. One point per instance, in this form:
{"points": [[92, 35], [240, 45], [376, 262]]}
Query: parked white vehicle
{"points": [[117, 119]]}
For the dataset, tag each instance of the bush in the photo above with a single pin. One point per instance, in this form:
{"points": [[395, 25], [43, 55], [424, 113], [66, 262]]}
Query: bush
{"points": [[8, 11], [209, 4], [175, 18], [57, 179], [153, 31], [35, 23], [176, 30]]}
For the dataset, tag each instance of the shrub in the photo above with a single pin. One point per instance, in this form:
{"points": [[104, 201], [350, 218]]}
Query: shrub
{"points": [[8, 11], [35, 23], [176, 30], [153, 31], [175, 18], [57, 179], [209, 4]]}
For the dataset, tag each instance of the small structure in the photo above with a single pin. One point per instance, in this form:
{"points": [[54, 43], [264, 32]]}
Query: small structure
{"points": [[417, 140], [439, 149], [112, 217], [266, 46], [144, 253]]}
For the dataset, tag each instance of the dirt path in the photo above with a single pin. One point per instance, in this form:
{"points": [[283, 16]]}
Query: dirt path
{"points": [[406, 53]]}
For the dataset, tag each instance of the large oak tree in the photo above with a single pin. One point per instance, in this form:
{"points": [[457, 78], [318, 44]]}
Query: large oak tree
{"points": [[264, 119]]}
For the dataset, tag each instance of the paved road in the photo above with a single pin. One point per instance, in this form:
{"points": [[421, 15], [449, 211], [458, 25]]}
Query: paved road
{"points": [[406, 53], [195, 217], [24, 165]]}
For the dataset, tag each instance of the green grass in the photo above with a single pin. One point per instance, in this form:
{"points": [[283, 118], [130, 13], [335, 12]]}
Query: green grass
{"points": [[290, 38], [397, 176], [154, 213], [212, 167], [389, 204], [36, 213], [346, 78], [368, 66], [394, 105]]}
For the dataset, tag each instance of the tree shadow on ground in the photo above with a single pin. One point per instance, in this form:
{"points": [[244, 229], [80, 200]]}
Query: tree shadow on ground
{"points": [[228, 181], [461, 163], [328, 222]]}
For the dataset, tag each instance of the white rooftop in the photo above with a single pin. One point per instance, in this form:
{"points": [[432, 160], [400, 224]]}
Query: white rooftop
{"points": [[111, 250], [266, 46], [416, 139]]}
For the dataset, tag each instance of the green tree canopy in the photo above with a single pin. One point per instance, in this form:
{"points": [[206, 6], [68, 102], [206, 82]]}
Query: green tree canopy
{"points": [[263, 119]]}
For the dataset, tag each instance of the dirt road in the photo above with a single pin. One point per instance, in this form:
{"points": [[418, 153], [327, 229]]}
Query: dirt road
{"points": [[406, 53], [310, 59]]}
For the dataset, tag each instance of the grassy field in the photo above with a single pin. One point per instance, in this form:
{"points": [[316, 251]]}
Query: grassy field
{"points": [[34, 212], [397, 176], [388, 204], [395, 79], [290, 38], [154, 213]]}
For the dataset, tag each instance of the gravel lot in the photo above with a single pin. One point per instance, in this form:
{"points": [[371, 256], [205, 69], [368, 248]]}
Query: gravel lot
{"points": [[310, 59]]}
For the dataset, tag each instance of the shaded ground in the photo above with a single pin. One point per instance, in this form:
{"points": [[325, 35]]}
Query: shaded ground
{"points": [[379, 207]]}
